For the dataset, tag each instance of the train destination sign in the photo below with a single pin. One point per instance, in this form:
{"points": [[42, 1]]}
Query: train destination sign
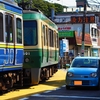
{"points": [[81, 19]]}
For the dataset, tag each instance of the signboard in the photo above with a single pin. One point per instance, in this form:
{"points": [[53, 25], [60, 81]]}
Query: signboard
{"points": [[65, 45], [62, 19], [64, 27], [66, 34], [61, 48], [81, 19]]}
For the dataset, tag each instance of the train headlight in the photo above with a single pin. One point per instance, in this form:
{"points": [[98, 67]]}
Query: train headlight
{"points": [[26, 53], [27, 59]]}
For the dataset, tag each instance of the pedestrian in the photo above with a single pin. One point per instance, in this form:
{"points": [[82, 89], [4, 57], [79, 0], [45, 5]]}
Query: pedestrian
{"points": [[59, 60], [78, 55]]}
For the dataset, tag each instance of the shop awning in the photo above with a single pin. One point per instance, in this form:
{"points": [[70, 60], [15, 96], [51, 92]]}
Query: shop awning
{"points": [[87, 39]]}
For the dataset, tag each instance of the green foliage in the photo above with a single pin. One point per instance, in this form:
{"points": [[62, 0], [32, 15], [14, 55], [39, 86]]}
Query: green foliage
{"points": [[44, 6]]}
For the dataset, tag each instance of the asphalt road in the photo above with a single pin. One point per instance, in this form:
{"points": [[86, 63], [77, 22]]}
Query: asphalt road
{"points": [[63, 94]]}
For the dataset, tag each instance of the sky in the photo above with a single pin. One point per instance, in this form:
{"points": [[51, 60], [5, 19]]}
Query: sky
{"points": [[64, 2]]}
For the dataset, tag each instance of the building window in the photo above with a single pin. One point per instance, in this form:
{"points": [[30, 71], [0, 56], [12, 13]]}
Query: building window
{"points": [[92, 32], [95, 32]]}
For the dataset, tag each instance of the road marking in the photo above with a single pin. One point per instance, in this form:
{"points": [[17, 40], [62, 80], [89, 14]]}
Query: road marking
{"points": [[46, 91], [64, 86], [61, 96], [24, 99], [56, 89]]}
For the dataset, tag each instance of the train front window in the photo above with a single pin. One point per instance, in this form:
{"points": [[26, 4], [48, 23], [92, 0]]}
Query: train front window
{"points": [[30, 33], [9, 28]]}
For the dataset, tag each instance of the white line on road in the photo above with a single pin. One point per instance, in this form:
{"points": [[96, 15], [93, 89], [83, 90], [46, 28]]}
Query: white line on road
{"points": [[64, 86], [24, 99], [46, 91], [60, 96]]}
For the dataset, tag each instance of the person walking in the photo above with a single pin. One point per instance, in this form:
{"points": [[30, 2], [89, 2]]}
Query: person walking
{"points": [[59, 59], [78, 55]]}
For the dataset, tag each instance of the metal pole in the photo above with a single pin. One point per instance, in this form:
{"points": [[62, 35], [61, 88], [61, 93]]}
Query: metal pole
{"points": [[83, 30]]}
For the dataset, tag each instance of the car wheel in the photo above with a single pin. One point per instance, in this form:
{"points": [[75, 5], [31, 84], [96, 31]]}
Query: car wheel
{"points": [[67, 87]]}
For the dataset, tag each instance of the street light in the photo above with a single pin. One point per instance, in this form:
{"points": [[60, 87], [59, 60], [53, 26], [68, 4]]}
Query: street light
{"points": [[83, 30]]}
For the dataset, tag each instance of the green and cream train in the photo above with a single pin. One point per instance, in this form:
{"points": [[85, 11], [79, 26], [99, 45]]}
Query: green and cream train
{"points": [[41, 47]]}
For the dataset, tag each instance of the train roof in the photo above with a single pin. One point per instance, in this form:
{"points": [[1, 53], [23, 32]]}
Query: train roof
{"points": [[10, 5], [37, 14], [9, 2]]}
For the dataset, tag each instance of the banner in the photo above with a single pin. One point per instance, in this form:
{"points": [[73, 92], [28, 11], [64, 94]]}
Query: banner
{"points": [[61, 48], [65, 45]]}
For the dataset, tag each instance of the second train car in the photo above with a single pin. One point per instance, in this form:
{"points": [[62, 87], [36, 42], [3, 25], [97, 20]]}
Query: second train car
{"points": [[41, 46]]}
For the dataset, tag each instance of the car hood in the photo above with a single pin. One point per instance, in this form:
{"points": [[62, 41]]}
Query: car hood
{"points": [[82, 70]]}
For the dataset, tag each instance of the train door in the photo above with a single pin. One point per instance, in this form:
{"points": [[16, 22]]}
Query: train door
{"points": [[47, 42], [55, 46], [9, 39]]}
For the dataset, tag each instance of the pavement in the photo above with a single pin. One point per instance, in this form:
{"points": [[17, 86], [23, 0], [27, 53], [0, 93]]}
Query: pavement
{"points": [[57, 80]]}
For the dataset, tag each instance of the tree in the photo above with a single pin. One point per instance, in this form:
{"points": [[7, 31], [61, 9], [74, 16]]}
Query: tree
{"points": [[43, 6]]}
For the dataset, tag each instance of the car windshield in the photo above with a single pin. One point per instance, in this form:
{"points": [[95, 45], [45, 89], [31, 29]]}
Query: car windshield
{"points": [[92, 63]]}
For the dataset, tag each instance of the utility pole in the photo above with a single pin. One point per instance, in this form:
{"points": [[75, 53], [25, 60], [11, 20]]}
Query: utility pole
{"points": [[83, 30]]}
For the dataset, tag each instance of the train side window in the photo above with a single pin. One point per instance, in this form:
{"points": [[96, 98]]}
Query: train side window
{"points": [[52, 38], [57, 40], [46, 35], [49, 38], [9, 28], [54, 35], [1, 28], [43, 30], [19, 30]]}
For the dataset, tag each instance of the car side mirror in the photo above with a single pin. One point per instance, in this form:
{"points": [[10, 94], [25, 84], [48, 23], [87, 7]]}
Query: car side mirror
{"points": [[67, 65]]}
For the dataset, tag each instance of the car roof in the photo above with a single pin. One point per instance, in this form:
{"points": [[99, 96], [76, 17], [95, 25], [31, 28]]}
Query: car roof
{"points": [[87, 57]]}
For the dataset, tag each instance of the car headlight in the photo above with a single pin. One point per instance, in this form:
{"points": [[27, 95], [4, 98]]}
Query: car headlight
{"points": [[94, 74], [69, 74]]}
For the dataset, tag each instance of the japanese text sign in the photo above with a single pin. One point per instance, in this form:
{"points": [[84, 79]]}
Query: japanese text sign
{"points": [[81, 19]]}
